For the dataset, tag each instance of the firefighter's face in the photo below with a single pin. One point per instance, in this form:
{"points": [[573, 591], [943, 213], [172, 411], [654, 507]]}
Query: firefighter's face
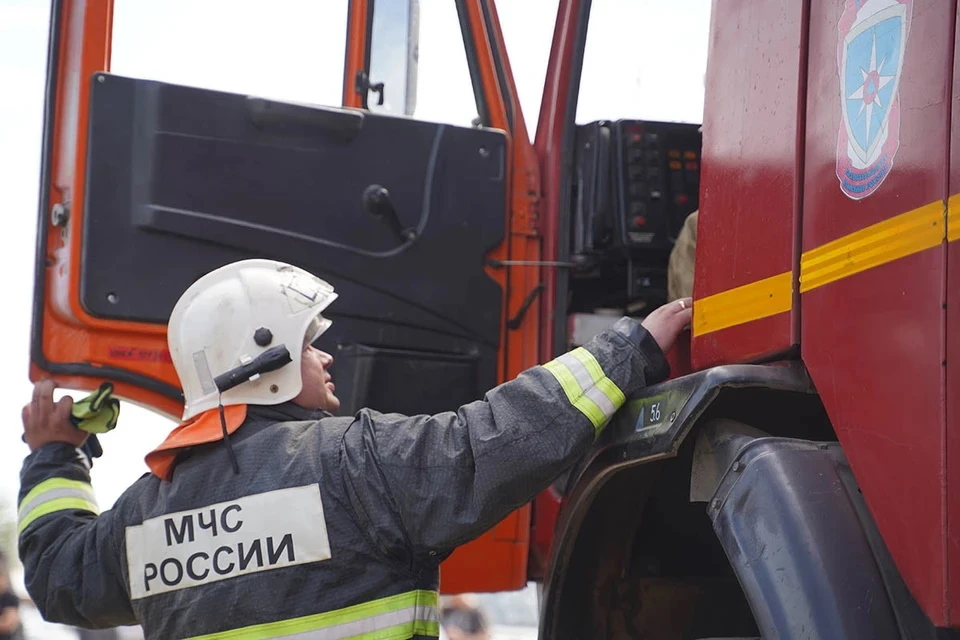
{"points": [[318, 388]]}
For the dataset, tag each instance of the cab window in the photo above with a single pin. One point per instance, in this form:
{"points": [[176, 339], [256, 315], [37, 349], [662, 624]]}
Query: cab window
{"points": [[660, 49], [294, 51], [418, 62]]}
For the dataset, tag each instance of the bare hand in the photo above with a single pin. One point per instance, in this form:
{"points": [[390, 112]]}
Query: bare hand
{"points": [[45, 421], [668, 321]]}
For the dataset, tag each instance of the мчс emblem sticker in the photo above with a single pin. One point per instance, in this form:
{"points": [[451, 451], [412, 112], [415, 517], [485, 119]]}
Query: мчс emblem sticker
{"points": [[873, 38]]}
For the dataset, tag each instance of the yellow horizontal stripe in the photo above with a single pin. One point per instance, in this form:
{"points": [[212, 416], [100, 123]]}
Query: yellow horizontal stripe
{"points": [[953, 218], [60, 504], [55, 483], [873, 246], [357, 612], [401, 632], [878, 244], [754, 301]]}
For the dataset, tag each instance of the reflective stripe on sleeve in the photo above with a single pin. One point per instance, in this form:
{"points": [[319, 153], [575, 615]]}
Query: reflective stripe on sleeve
{"points": [[586, 386], [55, 494], [394, 618]]}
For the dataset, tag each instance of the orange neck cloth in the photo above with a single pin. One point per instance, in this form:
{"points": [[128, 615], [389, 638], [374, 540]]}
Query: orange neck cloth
{"points": [[201, 429]]}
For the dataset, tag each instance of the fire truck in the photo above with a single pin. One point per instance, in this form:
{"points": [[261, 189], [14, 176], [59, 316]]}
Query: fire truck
{"points": [[798, 476]]}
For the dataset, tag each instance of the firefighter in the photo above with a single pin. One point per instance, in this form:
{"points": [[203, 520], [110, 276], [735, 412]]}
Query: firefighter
{"points": [[263, 514], [682, 264]]}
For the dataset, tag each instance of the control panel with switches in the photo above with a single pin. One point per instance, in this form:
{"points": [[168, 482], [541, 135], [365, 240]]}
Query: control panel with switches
{"points": [[635, 184], [657, 181]]}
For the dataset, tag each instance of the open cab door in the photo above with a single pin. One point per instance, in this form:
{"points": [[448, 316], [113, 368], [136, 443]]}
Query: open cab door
{"points": [[147, 185]]}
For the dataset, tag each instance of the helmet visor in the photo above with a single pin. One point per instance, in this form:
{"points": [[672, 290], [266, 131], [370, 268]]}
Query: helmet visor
{"points": [[315, 329]]}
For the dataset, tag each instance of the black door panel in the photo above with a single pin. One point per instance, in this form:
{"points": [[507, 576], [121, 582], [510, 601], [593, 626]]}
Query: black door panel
{"points": [[182, 180]]}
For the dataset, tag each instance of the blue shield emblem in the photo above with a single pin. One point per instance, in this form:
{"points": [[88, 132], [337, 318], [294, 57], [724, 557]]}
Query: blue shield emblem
{"points": [[870, 64]]}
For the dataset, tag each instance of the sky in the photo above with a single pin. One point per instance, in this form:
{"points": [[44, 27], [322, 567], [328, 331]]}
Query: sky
{"points": [[644, 59]]}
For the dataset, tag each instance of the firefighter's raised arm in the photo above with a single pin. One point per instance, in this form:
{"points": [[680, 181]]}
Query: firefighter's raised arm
{"points": [[72, 569], [454, 475]]}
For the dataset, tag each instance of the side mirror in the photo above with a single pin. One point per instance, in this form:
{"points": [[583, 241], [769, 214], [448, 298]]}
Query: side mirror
{"points": [[394, 44]]}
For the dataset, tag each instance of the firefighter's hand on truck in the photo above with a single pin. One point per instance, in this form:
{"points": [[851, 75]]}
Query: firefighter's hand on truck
{"points": [[669, 321], [46, 421]]}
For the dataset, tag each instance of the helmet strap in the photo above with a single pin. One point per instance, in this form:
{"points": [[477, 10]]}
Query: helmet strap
{"points": [[270, 360], [226, 436]]}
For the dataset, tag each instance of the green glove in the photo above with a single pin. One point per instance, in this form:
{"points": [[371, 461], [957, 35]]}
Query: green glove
{"points": [[98, 412]]}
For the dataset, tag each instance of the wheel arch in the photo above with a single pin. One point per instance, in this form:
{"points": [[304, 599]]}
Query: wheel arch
{"points": [[637, 469]]}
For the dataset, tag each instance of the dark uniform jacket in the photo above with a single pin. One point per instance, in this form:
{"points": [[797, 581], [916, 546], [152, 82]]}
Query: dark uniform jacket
{"points": [[334, 527]]}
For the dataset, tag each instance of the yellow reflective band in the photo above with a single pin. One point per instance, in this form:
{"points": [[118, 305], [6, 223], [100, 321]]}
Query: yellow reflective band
{"points": [[566, 380], [612, 391], [594, 413], [589, 362], [953, 218], [393, 618], [603, 383], [399, 632], [897, 237], [587, 388], [761, 299], [52, 495], [52, 484], [878, 244], [52, 506]]}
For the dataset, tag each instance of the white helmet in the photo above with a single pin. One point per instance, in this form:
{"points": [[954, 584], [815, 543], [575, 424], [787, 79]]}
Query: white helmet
{"points": [[235, 313]]}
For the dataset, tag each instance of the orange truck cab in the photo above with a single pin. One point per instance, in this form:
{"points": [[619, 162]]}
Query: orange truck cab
{"points": [[799, 474]]}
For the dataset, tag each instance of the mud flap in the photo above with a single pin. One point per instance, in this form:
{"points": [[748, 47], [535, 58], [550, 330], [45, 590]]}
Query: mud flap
{"points": [[805, 550]]}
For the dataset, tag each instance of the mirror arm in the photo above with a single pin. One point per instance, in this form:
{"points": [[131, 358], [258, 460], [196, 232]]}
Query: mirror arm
{"points": [[363, 86], [378, 88]]}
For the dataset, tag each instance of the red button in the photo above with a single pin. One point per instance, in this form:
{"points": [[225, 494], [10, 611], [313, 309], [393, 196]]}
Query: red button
{"points": [[682, 198], [639, 221]]}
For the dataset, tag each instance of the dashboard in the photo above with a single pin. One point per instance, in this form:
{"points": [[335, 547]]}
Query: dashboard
{"points": [[634, 184]]}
